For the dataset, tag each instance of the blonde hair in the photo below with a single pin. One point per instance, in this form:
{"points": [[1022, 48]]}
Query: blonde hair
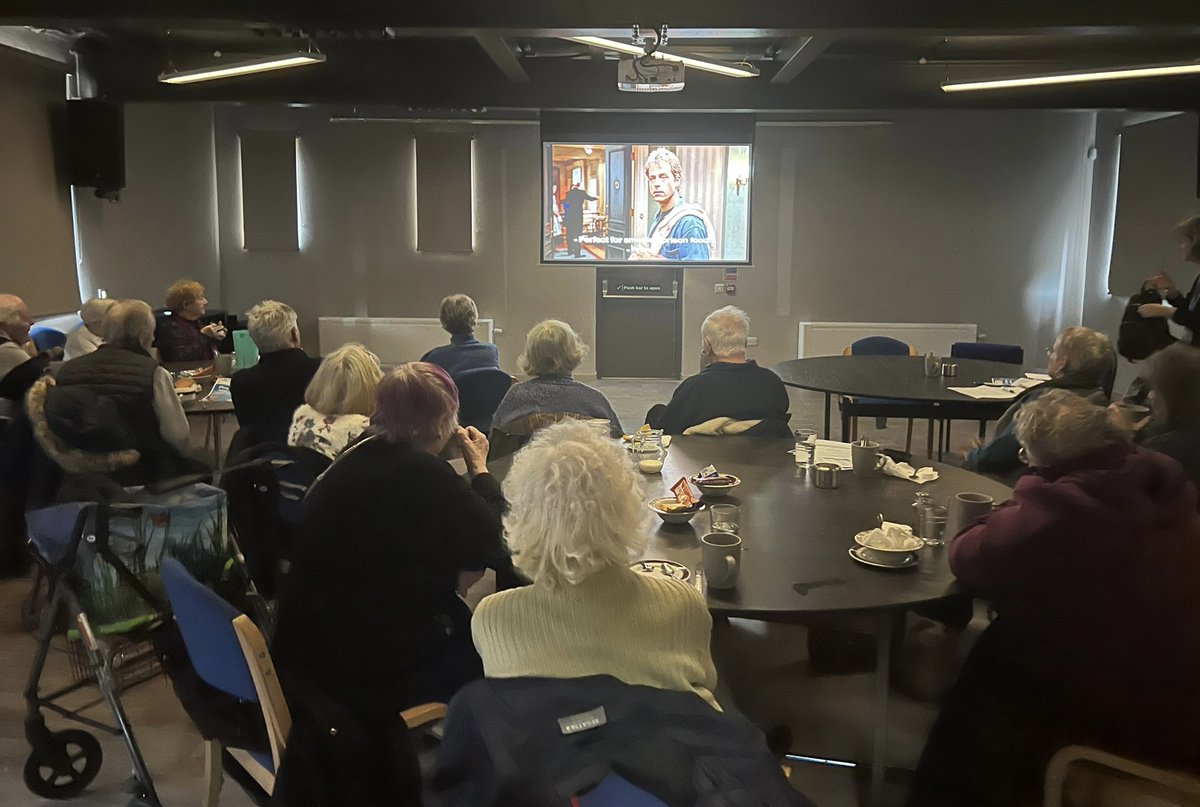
{"points": [[1060, 425], [345, 382], [1087, 352], [92, 312], [1188, 231], [575, 506], [271, 324], [458, 314], [664, 156], [183, 293], [552, 348]]}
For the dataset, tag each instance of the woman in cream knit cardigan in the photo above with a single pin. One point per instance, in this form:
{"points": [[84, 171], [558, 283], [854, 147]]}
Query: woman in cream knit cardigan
{"points": [[577, 520]]}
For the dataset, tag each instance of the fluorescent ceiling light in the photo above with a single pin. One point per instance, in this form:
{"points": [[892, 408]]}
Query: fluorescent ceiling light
{"points": [[735, 71], [257, 64], [1075, 78]]}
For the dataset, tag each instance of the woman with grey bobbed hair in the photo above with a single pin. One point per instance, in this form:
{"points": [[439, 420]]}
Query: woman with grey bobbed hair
{"points": [[576, 521], [552, 352], [1093, 571], [370, 615]]}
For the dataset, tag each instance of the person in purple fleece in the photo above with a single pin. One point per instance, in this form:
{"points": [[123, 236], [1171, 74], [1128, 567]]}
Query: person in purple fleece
{"points": [[1093, 572]]}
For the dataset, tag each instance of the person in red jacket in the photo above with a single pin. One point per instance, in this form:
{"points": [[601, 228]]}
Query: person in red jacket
{"points": [[1093, 572]]}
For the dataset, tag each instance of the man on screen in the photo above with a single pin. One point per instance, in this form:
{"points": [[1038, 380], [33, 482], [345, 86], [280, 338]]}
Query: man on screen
{"points": [[573, 216], [680, 230]]}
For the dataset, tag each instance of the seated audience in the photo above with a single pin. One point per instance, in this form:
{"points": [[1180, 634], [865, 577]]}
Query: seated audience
{"points": [[338, 402], [552, 351], [181, 337], [577, 520], [730, 386], [20, 364], [464, 352], [1182, 309], [1093, 572], [89, 334], [116, 401], [1173, 427], [370, 618], [266, 395], [1081, 361]]}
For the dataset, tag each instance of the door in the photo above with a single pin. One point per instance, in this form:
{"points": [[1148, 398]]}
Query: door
{"points": [[639, 316], [617, 203]]}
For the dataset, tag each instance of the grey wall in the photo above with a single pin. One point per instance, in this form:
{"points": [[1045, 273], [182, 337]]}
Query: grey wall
{"points": [[37, 254], [983, 217]]}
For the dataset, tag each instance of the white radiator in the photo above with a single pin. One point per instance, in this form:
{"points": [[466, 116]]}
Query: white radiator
{"points": [[393, 339], [829, 338]]}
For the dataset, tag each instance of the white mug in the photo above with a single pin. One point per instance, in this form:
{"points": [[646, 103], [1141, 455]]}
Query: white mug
{"points": [[722, 558]]}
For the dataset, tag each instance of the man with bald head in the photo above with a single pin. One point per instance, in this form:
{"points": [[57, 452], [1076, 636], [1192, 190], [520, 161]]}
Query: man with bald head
{"points": [[20, 365], [729, 385]]}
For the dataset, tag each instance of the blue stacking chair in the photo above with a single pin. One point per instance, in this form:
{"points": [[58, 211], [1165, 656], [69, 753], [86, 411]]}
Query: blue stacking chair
{"points": [[44, 337], [988, 351], [852, 408], [479, 394]]}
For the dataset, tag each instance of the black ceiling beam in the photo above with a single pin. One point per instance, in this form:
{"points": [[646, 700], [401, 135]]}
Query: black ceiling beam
{"points": [[544, 15], [498, 50], [802, 53]]}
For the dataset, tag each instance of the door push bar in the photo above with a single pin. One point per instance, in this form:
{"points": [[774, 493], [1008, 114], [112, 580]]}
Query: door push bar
{"points": [[674, 293]]}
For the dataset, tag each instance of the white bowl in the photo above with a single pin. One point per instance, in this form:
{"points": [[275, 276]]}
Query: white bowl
{"points": [[673, 518], [715, 491]]}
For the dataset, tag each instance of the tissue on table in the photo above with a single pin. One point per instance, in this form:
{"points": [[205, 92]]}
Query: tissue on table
{"points": [[891, 536], [903, 470]]}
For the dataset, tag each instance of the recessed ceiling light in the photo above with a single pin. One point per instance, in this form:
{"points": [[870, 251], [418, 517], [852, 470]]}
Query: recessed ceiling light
{"points": [[1109, 74], [242, 67]]}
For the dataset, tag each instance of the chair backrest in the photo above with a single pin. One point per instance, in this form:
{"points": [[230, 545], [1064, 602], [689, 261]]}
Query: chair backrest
{"points": [[45, 337], [988, 351], [480, 391], [879, 346], [617, 791], [275, 710], [206, 623]]}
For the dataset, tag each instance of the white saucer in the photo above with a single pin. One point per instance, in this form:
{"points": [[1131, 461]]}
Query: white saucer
{"points": [[907, 561], [661, 568]]}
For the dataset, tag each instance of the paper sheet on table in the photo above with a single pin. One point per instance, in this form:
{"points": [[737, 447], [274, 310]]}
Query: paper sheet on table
{"points": [[833, 451], [986, 392], [1038, 376]]}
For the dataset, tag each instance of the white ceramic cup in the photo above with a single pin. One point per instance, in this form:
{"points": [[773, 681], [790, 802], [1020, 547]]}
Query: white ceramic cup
{"points": [[722, 558]]}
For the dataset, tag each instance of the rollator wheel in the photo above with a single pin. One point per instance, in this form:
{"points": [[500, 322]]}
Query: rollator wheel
{"points": [[64, 765]]}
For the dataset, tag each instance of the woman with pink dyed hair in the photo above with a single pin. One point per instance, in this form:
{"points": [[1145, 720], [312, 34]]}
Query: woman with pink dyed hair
{"points": [[370, 617]]}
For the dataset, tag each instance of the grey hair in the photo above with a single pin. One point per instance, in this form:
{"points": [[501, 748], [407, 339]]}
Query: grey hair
{"points": [[726, 330], [458, 314], [129, 321], [271, 324], [1088, 353], [1188, 231], [92, 312], [575, 506], [552, 348], [1060, 425]]}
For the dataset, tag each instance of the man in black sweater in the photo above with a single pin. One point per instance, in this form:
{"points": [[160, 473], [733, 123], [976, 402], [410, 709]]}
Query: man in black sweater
{"points": [[266, 396], [729, 386]]}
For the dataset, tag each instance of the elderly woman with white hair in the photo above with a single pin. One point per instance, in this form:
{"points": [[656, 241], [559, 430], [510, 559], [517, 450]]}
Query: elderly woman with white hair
{"points": [[266, 395], [1093, 571], [552, 352], [370, 617], [729, 388], [577, 520], [89, 334]]}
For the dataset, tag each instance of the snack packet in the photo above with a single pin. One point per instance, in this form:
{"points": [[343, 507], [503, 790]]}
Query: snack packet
{"points": [[683, 492]]}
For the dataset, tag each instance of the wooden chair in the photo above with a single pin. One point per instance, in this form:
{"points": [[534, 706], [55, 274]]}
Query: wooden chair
{"points": [[1088, 777], [230, 653]]}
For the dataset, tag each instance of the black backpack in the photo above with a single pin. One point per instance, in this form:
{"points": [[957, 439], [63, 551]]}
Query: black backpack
{"points": [[1139, 337]]}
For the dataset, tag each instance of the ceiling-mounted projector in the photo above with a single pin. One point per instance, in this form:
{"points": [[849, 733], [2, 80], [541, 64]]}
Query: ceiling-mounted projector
{"points": [[647, 74]]}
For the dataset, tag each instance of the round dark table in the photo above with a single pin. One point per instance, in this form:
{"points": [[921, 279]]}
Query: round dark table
{"points": [[796, 538], [902, 379], [195, 405]]}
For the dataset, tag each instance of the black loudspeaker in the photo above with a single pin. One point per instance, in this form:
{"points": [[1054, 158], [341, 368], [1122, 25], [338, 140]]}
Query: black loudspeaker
{"points": [[96, 144]]}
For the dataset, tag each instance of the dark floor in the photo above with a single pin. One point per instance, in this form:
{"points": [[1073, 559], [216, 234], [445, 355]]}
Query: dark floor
{"points": [[764, 666]]}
